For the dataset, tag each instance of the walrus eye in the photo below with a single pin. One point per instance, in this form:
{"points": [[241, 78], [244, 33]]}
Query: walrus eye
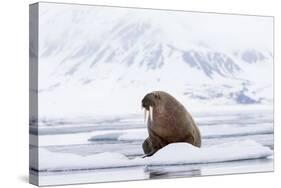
{"points": [[157, 96]]}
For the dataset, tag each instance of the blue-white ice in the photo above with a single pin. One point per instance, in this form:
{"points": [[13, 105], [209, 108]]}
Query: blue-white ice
{"points": [[233, 142]]}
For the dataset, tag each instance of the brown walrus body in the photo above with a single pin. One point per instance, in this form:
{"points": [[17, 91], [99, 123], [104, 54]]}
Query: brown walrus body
{"points": [[168, 122]]}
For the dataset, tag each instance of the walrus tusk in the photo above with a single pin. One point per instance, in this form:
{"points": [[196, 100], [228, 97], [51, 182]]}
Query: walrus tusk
{"points": [[148, 114], [145, 116], [151, 113]]}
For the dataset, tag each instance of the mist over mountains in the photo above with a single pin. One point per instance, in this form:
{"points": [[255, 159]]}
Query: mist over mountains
{"points": [[97, 52]]}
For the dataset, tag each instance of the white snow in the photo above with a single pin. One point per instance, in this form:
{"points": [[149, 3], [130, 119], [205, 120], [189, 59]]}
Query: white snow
{"points": [[177, 153], [65, 161], [231, 130], [140, 134], [183, 153]]}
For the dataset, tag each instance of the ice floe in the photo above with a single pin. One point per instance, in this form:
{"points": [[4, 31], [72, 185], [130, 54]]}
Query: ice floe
{"points": [[173, 154]]}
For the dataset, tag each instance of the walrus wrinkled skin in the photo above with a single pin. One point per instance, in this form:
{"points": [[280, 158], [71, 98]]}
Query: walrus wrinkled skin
{"points": [[168, 122]]}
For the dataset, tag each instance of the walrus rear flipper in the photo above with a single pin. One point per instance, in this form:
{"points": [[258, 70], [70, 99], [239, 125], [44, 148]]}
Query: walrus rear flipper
{"points": [[190, 139]]}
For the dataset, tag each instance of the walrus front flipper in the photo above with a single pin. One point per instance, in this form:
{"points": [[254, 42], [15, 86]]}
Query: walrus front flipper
{"points": [[190, 139], [149, 149], [147, 146], [149, 154]]}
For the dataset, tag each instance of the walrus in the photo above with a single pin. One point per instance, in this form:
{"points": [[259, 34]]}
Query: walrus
{"points": [[168, 122]]}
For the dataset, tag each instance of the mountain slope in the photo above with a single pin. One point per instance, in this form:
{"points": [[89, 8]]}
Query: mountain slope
{"points": [[89, 56]]}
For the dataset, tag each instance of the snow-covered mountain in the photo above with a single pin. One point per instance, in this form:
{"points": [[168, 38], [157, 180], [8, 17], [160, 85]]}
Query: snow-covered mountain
{"points": [[103, 57]]}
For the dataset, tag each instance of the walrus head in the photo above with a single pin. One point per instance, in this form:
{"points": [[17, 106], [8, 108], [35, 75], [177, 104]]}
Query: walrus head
{"points": [[149, 102]]}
